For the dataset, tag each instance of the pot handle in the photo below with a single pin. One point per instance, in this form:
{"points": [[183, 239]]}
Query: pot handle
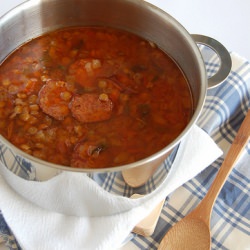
{"points": [[225, 59]]}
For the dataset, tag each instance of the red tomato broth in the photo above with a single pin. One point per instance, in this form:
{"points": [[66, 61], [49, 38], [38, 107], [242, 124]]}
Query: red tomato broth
{"points": [[138, 99]]}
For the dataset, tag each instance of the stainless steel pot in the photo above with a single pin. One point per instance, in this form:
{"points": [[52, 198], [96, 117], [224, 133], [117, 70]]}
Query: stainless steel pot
{"points": [[33, 18]]}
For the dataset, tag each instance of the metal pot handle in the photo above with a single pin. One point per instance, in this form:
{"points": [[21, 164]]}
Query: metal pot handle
{"points": [[225, 59]]}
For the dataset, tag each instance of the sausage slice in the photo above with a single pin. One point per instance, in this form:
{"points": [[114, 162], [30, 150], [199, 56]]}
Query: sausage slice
{"points": [[54, 99], [88, 108]]}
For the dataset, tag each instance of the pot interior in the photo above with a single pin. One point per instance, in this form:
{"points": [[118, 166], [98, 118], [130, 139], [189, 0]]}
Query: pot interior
{"points": [[34, 18]]}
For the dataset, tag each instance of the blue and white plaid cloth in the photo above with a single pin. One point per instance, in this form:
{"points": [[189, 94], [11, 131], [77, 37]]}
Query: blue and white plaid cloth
{"points": [[224, 110]]}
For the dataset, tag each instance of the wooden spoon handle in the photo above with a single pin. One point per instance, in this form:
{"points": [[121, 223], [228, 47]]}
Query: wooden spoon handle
{"points": [[232, 156]]}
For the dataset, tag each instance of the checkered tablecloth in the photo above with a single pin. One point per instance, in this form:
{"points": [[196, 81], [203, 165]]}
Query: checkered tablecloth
{"points": [[223, 112]]}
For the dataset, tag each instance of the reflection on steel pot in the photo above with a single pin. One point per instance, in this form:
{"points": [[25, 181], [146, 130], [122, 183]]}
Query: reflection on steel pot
{"points": [[34, 18]]}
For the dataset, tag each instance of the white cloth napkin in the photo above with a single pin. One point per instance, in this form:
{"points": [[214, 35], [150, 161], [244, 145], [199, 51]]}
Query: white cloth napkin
{"points": [[71, 211]]}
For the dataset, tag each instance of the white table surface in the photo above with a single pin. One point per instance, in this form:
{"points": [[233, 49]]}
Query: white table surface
{"points": [[227, 21]]}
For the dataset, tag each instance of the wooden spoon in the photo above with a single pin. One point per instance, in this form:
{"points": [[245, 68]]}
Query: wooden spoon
{"points": [[193, 232]]}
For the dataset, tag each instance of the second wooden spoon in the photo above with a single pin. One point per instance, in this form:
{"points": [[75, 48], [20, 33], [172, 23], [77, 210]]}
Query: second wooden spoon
{"points": [[193, 232]]}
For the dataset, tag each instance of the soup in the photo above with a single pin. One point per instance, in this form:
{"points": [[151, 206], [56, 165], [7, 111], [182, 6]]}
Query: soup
{"points": [[92, 97]]}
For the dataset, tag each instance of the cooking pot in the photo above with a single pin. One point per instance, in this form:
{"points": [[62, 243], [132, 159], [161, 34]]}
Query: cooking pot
{"points": [[34, 18]]}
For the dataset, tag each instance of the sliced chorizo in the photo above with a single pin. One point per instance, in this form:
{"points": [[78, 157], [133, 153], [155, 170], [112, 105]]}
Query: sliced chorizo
{"points": [[88, 153], [88, 108], [85, 72], [54, 99]]}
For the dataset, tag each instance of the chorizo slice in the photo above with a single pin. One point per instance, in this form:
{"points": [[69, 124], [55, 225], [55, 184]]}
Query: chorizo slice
{"points": [[88, 154], [87, 108], [85, 72], [54, 99]]}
